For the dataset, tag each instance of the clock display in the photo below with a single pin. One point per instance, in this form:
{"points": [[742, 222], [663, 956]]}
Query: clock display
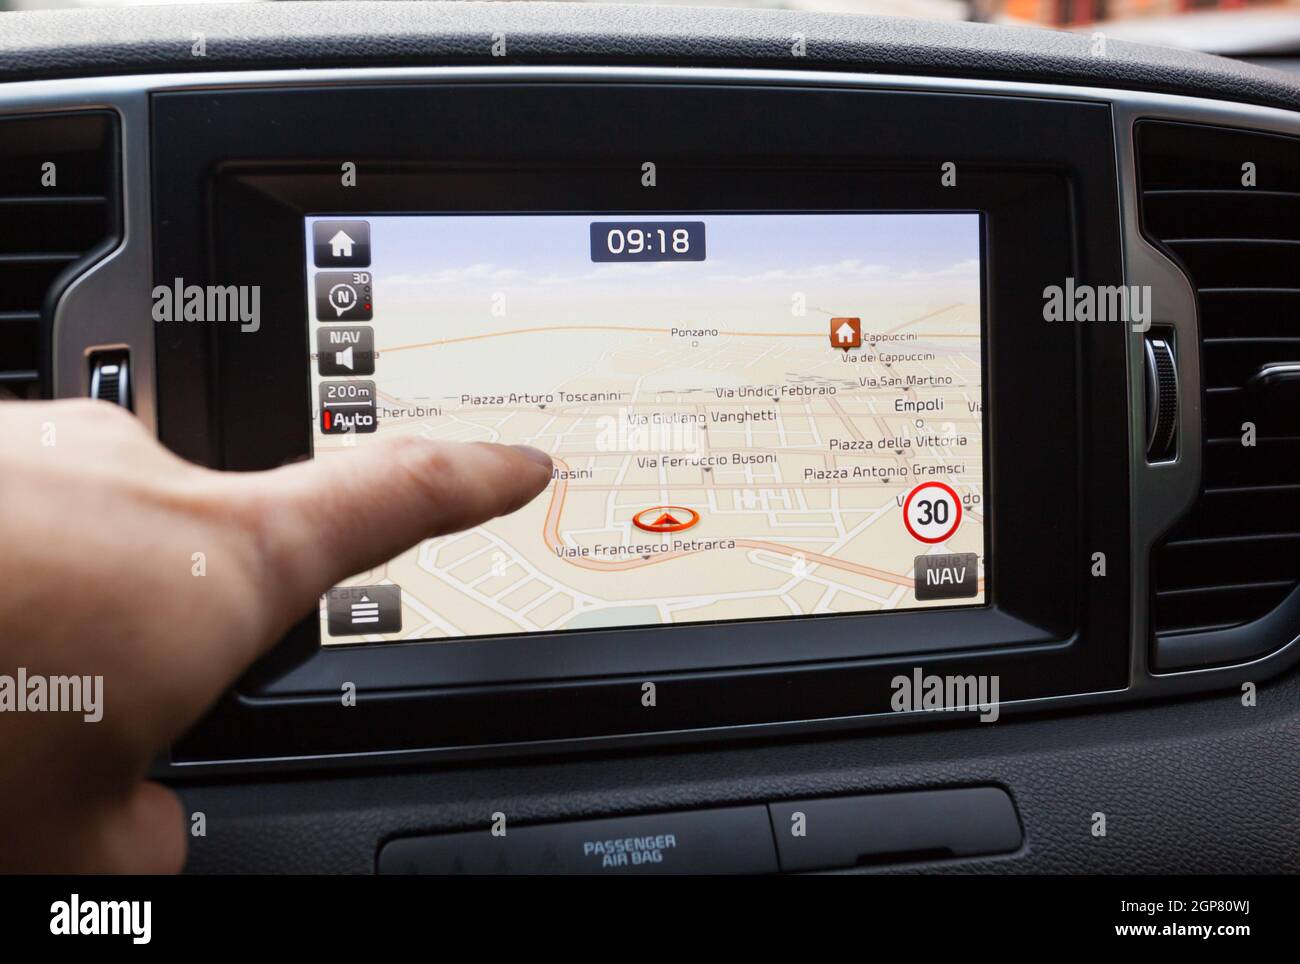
{"points": [[647, 241]]}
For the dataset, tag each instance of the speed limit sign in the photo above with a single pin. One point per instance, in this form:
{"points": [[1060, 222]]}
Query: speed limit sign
{"points": [[932, 512]]}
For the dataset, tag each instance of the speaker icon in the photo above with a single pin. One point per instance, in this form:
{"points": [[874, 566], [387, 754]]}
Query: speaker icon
{"points": [[344, 351]]}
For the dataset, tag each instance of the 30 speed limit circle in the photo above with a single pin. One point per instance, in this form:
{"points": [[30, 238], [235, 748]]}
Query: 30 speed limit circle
{"points": [[932, 512]]}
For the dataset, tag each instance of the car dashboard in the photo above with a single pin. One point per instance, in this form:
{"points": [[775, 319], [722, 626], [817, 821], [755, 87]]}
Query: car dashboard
{"points": [[923, 401]]}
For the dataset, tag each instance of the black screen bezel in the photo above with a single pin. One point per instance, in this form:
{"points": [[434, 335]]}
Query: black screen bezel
{"points": [[1048, 630]]}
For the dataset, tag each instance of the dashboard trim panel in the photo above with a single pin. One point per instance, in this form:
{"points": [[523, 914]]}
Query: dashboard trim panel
{"points": [[101, 307]]}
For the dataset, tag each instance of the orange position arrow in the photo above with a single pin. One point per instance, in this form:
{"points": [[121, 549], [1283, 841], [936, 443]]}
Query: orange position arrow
{"points": [[666, 521]]}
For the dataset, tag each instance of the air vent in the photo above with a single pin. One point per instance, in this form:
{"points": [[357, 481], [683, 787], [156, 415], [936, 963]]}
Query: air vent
{"points": [[1225, 204], [57, 207]]}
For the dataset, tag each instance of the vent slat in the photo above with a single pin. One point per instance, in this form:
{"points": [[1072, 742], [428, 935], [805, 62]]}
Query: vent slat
{"points": [[1232, 214], [1268, 461], [30, 226], [1235, 193], [1246, 290], [43, 199], [1252, 490], [40, 257], [56, 175], [1178, 627], [1216, 607], [1252, 238], [1236, 554], [1236, 587], [1250, 263], [23, 284], [19, 347], [1232, 539], [1250, 313], [1241, 511], [1197, 157], [1196, 566], [1252, 340]]}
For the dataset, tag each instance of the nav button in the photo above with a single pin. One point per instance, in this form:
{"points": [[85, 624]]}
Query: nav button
{"points": [[953, 575], [345, 351]]}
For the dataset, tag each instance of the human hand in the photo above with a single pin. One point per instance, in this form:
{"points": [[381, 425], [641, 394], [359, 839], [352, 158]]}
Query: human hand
{"points": [[100, 524]]}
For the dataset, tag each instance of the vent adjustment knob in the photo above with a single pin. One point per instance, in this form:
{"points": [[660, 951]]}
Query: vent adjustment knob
{"points": [[110, 377], [1162, 398]]}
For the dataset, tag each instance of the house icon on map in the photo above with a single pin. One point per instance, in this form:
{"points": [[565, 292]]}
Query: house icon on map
{"points": [[846, 333]]}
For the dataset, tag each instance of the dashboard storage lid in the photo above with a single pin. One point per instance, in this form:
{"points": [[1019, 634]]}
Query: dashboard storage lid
{"points": [[885, 828]]}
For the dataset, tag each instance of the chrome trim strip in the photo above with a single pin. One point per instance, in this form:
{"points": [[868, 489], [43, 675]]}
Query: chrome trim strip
{"points": [[1160, 492], [1269, 371]]}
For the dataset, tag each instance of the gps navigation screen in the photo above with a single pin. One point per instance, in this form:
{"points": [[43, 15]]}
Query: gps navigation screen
{"points": [[751, 416]]}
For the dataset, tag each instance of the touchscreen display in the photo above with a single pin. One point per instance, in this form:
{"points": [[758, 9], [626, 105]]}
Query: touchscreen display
{"points": [[751, 416]]}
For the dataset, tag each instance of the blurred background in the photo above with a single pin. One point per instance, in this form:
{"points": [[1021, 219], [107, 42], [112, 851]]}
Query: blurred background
{"points": [[1263, 30]]}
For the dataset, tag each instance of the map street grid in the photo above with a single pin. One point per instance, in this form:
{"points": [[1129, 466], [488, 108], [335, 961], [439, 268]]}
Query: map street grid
{"points": [[712, 386]]}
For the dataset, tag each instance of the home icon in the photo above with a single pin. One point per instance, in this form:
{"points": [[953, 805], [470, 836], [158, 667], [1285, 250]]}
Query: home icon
{"points": [[846, 333], [341, 245]]}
